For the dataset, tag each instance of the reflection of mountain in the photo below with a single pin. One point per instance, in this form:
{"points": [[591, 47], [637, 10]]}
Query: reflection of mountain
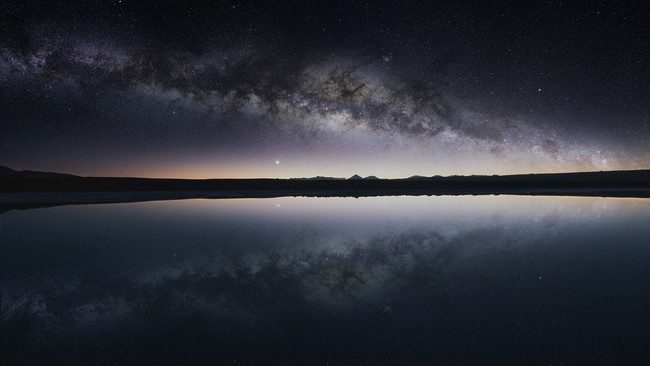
{"points": [[634, 183]]}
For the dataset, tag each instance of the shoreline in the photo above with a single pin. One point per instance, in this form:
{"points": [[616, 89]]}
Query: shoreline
{"points": [[29, 200]]}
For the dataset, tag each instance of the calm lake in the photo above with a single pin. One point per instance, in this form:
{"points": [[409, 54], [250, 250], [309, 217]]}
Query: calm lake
{"points": [[339, 281]]}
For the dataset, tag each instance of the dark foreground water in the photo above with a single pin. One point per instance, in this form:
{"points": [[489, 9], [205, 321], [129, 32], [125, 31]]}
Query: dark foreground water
{"points": [[339, 281]]}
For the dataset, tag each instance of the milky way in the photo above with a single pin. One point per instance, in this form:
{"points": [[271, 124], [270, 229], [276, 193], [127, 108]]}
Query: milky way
{"points": [[102, 96]]}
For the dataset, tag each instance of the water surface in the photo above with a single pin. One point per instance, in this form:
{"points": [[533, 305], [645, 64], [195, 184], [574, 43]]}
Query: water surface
{"points": [[383, 280]]}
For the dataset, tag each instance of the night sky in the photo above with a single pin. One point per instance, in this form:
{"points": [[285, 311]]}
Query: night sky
{"points": [[307, 88]]}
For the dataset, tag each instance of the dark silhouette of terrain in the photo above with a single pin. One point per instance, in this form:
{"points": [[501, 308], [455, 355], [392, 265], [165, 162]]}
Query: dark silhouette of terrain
{"points": [[23, 189]]}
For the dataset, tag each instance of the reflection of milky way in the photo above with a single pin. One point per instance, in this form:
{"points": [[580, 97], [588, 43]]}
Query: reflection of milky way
{"points": [[269, 103], [343, 268], [252, 278], [234, 287]]}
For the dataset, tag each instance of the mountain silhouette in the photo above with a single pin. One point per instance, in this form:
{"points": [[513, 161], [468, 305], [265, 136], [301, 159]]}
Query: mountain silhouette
{"points": [[38, 189]]}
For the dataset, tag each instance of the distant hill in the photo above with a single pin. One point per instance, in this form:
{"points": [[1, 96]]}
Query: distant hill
{"points": [[318, 178], [631, 183], [8, 173]]}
